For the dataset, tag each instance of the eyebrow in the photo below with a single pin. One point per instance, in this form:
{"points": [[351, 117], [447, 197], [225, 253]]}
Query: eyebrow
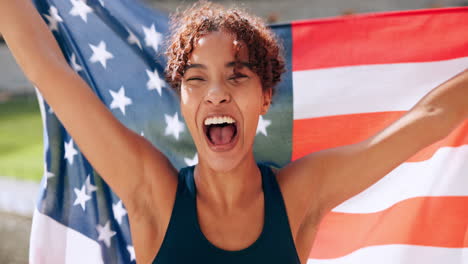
{"points": [[227, 65]]}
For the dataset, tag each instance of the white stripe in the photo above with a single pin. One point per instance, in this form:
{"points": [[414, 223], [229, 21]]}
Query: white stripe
{"points": [[445, 174], [400, 254], [52, 242], [368, 88]]}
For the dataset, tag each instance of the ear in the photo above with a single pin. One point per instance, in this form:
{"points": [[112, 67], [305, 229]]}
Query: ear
{"points": [[267, 94]]}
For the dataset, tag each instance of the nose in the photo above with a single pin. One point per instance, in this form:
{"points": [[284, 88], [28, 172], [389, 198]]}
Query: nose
{"points": [[217, 94]]}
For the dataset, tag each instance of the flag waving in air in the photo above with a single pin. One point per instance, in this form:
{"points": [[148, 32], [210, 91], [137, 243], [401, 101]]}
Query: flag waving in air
{"points": [[347, 79], [351, 78]]}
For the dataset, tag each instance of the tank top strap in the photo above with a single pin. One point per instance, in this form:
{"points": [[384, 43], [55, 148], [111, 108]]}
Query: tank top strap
{"points": [[186, 178], [181, 223], [276, 207]]}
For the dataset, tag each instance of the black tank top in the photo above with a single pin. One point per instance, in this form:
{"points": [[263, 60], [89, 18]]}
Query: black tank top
{"points": [[185, 243]]}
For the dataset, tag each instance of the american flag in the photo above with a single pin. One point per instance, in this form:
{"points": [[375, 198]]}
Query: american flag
{"points": [[347, 78]]}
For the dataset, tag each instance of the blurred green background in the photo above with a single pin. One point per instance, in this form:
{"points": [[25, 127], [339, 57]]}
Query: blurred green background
{"points": [[21, 144]]}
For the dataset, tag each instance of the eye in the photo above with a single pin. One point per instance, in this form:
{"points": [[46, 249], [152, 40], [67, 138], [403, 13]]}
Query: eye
{"points": [[194, 79], [237, 77]]}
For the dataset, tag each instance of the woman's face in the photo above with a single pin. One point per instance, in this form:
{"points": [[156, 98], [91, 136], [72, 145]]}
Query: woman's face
{"points": [[221, 108]]}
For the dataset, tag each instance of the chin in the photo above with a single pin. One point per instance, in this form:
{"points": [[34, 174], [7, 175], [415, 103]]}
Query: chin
{"points": [[222, 162]]}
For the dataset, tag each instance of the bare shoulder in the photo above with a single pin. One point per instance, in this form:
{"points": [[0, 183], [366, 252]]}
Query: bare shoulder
{"points": [[298, 193]]}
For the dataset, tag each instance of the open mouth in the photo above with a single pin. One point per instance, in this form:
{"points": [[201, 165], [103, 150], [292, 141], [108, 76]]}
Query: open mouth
{"points": [[220, 130]]}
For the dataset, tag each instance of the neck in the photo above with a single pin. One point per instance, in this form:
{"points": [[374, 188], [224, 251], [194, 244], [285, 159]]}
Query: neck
{"points": [[231, 189]]}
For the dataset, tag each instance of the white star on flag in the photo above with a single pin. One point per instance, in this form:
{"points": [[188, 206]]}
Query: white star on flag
{"points": [[81, 197], [193, 161], [131, 251], [100, 54], [173, 126], [74, 64], [119, 211], [53, 18], [142, 134], [262, 126], [105, 233], [70, 151], [119, 100], [154, 82], [102, 2], [42, 106], [80, 8], [90, 187], [132, 39], [152, 37], [47, 175]]}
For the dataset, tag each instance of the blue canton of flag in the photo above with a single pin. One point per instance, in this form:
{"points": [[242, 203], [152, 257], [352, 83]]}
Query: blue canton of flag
{"points": [[117, 47]]}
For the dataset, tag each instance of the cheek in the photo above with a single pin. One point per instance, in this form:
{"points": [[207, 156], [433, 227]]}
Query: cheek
{"points": [[189, 106], [185, 106], [191, 95], [189, 101], [184, 95], [251, 100], [250, 104]]}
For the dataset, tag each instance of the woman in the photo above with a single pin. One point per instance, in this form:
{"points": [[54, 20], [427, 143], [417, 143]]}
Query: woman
{"points": [[227, 209]]}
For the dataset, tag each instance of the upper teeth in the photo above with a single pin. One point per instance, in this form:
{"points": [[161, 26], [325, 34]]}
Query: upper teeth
{"points": [[219, 120]]}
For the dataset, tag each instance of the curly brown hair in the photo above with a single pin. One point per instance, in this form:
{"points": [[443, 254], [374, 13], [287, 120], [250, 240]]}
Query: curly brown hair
{"points": [[203, 17]]}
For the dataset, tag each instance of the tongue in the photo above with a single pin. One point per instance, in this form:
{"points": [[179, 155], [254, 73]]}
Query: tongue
{"points": [[221, 135]]}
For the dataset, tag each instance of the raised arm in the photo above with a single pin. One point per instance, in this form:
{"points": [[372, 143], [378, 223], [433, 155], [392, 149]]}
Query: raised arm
{"points": [[324, 179], [125, 160]]}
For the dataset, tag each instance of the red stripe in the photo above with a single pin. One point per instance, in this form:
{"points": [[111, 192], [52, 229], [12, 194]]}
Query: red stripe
{"points": [[315, 134], [423, 221], [416, 36]]}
